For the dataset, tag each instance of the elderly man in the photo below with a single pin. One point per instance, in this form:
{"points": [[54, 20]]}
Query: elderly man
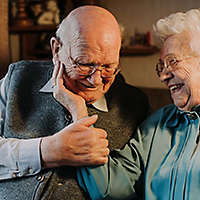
{"points": [[47, 102], [162, 161]]}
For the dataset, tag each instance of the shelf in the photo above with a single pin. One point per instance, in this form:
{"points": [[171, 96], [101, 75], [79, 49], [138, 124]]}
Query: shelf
{"points": [[32, 36], [34, 28], [33, 33], [42, 54], [138, 50]]}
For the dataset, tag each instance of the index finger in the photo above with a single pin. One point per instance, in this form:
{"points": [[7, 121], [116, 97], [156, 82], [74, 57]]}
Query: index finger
{"points": [[101, 133], [59, 78], [55, 71]]}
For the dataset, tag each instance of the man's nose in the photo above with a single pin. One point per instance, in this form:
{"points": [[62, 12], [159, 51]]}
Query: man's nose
{"points": [[95, 78]]}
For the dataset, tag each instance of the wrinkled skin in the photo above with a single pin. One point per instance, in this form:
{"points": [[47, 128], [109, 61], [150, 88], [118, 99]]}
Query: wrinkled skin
{"points": [[89, 43], [183, 81], [90, 35], [76, 145]]}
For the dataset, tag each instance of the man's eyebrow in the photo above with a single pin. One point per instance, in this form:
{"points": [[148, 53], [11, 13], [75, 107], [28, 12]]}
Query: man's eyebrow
{"points": [[112, 63], [94, 63]]}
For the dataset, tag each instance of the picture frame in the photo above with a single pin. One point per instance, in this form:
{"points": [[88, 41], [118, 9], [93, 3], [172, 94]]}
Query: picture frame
{"points": [[43, 12]]}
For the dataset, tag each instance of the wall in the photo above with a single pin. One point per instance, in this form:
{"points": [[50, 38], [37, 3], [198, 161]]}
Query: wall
{"points": [[140, 15], [140, 71], [14, 40], [137, 15]]}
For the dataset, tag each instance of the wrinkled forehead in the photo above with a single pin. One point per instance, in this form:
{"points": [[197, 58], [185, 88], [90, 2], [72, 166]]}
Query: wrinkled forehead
{"points": [[181, 45], [92, 30], [94, 50], [92, 40]]}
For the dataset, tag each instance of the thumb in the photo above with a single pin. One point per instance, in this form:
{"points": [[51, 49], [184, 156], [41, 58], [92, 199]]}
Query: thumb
{"points": [[88, 121]]}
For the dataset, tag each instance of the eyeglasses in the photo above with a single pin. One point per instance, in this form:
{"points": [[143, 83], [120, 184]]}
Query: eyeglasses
{"points": [[90, 68], [169, 61]]}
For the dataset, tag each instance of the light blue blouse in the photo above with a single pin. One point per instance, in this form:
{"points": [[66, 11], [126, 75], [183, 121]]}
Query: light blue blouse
{"points": [[162, 161]]}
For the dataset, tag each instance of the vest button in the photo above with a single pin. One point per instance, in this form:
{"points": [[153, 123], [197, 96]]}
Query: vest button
{"points": [[40, 178], [68, 117], [30, 171]]}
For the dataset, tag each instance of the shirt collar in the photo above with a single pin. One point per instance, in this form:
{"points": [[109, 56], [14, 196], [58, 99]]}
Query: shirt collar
{"points": [[195, 109], [180, 115], [101, 104]]}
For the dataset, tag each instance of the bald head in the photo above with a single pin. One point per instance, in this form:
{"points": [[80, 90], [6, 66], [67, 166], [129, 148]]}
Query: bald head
{"points": [[89, 37], [85, 20]]}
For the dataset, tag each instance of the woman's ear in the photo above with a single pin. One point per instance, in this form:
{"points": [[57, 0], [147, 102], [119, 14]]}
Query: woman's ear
{"points": [[55, 47]]}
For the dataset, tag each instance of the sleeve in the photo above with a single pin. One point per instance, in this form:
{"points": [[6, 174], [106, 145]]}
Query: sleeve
{"points": [[121, 178], [18, 157]]}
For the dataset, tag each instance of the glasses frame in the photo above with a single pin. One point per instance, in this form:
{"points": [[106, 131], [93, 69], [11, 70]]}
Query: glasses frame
{"points": [[161, 65], [93, 68]]}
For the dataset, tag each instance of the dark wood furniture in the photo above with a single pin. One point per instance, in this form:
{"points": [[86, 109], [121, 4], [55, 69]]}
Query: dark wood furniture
{"points": [[4, 38], [34, 40], [158, 97], [138, 50], [34, 44]]}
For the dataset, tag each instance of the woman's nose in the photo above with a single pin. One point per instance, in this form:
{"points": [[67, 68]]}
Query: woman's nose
{"points": [[165, 74]]}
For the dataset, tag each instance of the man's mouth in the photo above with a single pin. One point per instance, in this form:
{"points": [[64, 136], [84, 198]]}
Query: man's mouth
{"points": [[175, 87], [87, 86]]}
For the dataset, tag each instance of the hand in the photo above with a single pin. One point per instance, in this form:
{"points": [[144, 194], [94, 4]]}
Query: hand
{"points": [[78, 144], [73, 102]]}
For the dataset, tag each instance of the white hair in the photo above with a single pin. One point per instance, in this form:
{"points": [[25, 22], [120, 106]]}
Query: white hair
{"points": [[177, 23]]}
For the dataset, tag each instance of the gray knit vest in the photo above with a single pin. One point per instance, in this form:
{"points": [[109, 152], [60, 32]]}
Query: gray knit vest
{"points": [[30, 113]]}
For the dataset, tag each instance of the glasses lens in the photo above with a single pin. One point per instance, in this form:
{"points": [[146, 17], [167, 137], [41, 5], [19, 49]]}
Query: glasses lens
{"points": [[84, 70], [171, 61], [89, 70], [109, 72], [159, 68]]}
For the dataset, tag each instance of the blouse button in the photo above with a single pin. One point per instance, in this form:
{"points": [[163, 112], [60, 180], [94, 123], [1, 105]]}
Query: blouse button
{"points": [[192, 116]]}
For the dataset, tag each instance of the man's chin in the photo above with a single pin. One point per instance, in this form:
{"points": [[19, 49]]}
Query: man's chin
{"points": [[91, 98]]}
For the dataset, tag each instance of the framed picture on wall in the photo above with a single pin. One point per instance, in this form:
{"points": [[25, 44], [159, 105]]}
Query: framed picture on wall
{"points": [[40, 12], [43, 12]]}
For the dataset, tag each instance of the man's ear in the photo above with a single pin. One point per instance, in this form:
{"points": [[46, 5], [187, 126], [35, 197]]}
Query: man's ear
{"points": [[55, 47]]}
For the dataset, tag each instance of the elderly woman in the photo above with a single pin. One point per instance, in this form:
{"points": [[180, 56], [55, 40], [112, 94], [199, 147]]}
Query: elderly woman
{"points": [[163, 160]]}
